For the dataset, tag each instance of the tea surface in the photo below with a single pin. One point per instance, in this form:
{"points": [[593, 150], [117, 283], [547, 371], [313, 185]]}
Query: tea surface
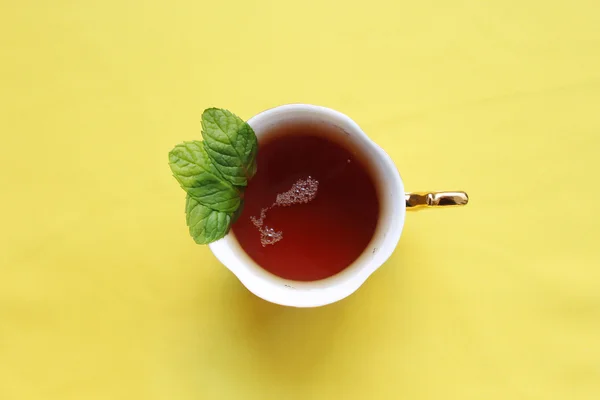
{"points": [[312, 207]]}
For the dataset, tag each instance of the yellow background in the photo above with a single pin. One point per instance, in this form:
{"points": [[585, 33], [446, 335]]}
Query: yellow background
{"points": [[103, 294]]}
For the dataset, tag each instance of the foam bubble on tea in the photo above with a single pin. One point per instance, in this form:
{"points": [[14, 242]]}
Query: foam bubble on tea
{"points": [[302, 192]]}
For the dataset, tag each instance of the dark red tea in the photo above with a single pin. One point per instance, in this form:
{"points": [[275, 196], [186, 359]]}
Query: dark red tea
{"points": [[312, 207]]}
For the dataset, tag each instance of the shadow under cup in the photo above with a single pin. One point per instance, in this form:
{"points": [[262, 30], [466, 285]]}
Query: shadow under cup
{"points": [[334, 242]]}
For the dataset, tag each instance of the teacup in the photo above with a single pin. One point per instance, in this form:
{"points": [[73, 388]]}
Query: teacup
{"points": [[393, 205]]}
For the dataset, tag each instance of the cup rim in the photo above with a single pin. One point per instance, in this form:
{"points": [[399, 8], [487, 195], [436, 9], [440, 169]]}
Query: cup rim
{"points": [[332, 289]]}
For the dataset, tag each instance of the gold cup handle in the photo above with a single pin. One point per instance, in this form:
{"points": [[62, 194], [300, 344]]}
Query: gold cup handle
{"points": [[419, 200]]}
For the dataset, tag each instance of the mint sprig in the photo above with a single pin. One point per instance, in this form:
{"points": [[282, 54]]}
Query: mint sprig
{"points": [[214, 173]]}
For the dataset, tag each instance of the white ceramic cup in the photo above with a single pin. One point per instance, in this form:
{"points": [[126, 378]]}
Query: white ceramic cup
{"points": [[392, 201]]}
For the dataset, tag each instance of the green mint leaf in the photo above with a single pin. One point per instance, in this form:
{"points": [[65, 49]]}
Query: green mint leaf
{"points": [[231, 145], [238, 212], [206, 225], [197, 175]]}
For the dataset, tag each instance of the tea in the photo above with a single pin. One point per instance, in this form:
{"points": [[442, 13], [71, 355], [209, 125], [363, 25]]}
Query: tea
{"points": [[312, 207]]}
